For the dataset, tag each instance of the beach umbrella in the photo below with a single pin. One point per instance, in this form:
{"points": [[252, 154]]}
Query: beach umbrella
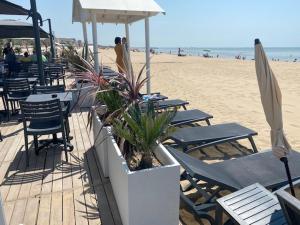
{"points": [[272, 105], [18, 29]]}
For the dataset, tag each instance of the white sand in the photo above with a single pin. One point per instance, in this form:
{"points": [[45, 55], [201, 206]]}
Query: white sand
{"points": [[226, 88]]}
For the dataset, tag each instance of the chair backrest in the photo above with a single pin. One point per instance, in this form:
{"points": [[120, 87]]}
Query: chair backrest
{"points": [[290, 207], [49, 89], [22, 75], [54, 70], [19, 86], [43, 111]]}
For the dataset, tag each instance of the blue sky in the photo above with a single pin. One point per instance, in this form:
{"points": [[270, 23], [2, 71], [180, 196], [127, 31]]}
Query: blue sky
{"points": [[193, 23]]}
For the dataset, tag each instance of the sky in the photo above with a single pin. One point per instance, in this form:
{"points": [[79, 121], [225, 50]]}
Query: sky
{"points": [[191, 23]]}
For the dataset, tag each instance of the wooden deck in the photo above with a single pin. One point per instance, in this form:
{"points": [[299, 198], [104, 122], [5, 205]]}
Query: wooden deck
{"points": [[52, 191]]}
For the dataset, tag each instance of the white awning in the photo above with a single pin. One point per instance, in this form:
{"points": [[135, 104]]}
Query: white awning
{"points": [[114, 11]]}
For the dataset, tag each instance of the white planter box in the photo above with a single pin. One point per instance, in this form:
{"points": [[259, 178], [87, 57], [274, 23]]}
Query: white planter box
{"points": [[146, 197], [100, 140]]}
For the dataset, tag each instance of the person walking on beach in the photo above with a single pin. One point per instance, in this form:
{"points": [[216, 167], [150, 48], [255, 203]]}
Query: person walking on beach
{"points": [[126, 56], [119, 53]]}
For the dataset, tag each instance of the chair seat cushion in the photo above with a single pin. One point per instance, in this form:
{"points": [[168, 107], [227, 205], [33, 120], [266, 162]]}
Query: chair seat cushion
{"points": [[48, 127]]}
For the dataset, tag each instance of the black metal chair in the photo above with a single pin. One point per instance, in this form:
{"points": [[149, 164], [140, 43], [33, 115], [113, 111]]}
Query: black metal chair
{"points": [[55, 72], [42, 118], [65, 107], [15, 91]]}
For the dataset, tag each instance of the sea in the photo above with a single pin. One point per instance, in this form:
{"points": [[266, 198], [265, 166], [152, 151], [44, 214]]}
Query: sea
{"points": [[291, 54]]}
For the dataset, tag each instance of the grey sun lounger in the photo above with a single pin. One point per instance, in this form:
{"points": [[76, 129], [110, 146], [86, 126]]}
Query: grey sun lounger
{"points": [[171, 103], [200, 137], [165, 104], [255, 205], [231, 175], [190, 116]]}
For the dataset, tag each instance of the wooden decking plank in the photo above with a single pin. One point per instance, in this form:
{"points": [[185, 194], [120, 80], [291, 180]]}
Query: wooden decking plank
{"points": [[9, 178], [28, 175], [31, 212], [103, 206], [5, 144], [91, 209], [49, 192], [79, 201], [18, 212], [16, 181], [56, 216], [111, 213], [112, 203], [57, 173], [12, 149], [36, 185], [8, 210], [48, 174], [44, 210], [94, 170], [68, 208]]}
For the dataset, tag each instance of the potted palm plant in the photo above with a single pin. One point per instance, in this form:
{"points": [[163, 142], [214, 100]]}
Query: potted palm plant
{"points": [[110, 103], [146, 181]]}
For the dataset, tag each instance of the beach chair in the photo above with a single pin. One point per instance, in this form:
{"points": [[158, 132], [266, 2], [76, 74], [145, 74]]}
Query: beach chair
{"points": [[159, 105], [256, 205], [200, 137], [208, 180], [190, 116]]}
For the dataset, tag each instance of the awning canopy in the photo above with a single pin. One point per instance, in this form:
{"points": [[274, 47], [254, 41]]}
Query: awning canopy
{"points": [[8, 8], [18, 29], [114, 11]]}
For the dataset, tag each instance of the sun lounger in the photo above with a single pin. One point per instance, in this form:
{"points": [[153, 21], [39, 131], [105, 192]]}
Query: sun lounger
{"points": [[165, 104], [190, 116], [231, 175], [211, 136], [256, 205], [171, 103]]}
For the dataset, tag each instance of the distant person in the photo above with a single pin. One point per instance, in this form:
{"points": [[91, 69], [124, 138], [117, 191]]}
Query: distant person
{"points": [[124, 43], [10, 58], [119, 53], [25, 58], [6, 49], [180, 52], [126, 56], [34, 58]]}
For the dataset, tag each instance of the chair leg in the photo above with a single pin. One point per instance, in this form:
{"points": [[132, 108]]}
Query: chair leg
{"points": [[36, 144], [67, 128], [26, 149], [65, 144], [8, 113]]}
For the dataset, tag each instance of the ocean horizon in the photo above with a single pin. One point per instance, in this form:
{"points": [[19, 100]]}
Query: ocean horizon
{"points": [[273, 53]]}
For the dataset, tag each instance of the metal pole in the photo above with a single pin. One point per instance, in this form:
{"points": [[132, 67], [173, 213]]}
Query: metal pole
{"points": [[287, 169], [85, 40], [38, 50], [95, 44], [147, 36], [51, 40]]}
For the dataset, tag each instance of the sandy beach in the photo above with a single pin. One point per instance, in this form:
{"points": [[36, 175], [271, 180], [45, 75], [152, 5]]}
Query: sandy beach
{"points": [[225, 88]]}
